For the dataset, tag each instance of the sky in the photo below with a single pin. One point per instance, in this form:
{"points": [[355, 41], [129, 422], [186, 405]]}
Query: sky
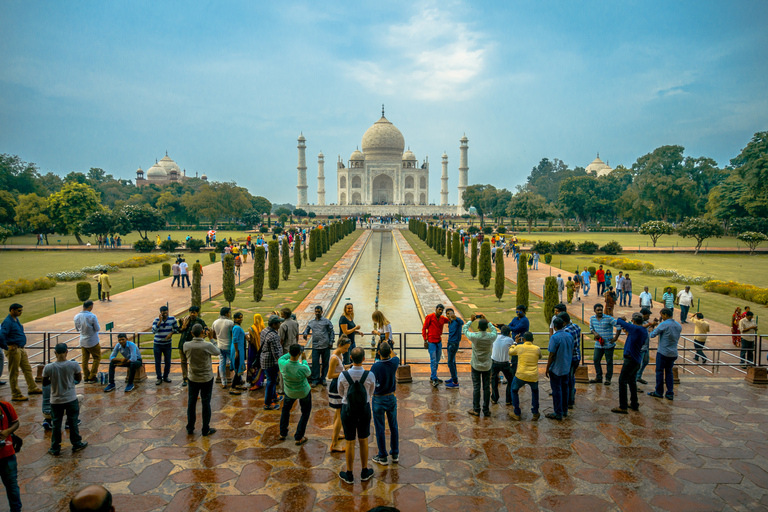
{"points": [[227, 87]]}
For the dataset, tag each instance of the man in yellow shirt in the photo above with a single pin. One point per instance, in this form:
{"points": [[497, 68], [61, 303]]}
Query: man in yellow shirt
{"points": [[700, 330], [106, 285], [528, 356]]}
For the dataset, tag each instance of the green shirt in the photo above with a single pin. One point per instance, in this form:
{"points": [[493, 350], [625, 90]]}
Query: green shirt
{"points": [[295, 375], [482, 346]]}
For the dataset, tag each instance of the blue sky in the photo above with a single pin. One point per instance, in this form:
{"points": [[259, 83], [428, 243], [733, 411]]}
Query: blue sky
{"points": [[226, 87]]}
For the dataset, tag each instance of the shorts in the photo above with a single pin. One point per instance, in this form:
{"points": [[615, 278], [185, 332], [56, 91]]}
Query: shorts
{"points": [[356, 425]]}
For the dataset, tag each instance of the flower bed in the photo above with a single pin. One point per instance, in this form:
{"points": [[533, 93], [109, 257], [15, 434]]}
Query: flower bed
{"points": [[13, 287], [742, 291], [623, 263]]}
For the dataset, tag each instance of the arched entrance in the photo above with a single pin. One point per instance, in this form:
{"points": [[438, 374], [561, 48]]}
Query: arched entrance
{"points": [[383, 190], [343, 199], [409, 198]]}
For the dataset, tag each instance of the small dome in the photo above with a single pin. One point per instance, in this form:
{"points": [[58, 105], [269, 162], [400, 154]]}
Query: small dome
{"points": [[301, 138], [464, 138], [445, 155], [408, 155], [157, 172], [204, 177], [599, 167], [169, 165], [383, 141], [321, 155], [357, 155]]}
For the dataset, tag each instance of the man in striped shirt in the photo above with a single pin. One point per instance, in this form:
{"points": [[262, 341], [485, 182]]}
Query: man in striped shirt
{"points": [[163, 327], [271, 350]]}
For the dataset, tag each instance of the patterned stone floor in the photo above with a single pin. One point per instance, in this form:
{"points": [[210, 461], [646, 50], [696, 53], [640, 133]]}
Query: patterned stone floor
{"points": [[706, 451]]}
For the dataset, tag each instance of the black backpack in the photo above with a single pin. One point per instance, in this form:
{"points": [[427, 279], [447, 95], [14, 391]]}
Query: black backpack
{"points": [[357, 397]]}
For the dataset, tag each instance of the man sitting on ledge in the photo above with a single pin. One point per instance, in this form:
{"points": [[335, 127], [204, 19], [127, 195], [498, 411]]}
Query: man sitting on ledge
{"points": [[131, 359]]}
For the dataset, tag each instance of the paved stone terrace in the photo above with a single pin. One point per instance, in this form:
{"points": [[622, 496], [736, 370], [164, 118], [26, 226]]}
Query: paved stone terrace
{"points": [[706, 451]]}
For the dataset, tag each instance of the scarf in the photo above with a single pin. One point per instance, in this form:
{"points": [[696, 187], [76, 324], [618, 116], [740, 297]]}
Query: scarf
{"points": [[256, 328]]}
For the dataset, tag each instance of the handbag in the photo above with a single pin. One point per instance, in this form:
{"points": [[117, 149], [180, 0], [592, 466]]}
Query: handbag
{"points": [[16, 441]]}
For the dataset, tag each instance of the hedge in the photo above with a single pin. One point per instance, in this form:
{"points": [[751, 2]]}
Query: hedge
{"points": [[623, 263], [588, 247], [742, 291], [13, 287]]}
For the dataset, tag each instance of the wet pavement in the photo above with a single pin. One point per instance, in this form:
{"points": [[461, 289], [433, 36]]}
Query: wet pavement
{"points": [[706, 451]]}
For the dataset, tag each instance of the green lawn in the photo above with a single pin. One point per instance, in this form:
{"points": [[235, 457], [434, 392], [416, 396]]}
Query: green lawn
{"points": [[289, 294], [742, 268], [40, 303]]}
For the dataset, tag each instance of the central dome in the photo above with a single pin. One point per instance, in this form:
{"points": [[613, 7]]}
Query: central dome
{"points": [[383, 141]]}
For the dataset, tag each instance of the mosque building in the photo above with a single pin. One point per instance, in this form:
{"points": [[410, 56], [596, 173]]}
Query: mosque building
{"points": [[598, 167], [381, 177], [162, 173]]}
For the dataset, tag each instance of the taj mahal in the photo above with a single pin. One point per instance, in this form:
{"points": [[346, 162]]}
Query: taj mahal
{"points": [[381, 178]]}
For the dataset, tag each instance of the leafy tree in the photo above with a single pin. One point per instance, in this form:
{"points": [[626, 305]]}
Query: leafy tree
{"points": [[261, 205], [473, 258], [197, 276], [664, 187], [169, 246], [297, 252], [528, 206], [311, 215], [546, 177], [455, 250], [105, 222], [700, 229], [752, 168], [477, 196], [170, 207], [743, 224], [723, 202], [522, 280], [551, 297], [143, 218], [8, 206], [32, 215], [500, 277], [258, 274], [19, 176], [283, 211], [274, 265], [70, 206], [300, 212], [462, 260], [752, 239], [228, 278], [484, 273], [656, 229], [577, 195], [286, 259]]}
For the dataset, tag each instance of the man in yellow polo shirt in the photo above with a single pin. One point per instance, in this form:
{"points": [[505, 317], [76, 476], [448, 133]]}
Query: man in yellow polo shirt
{"points": [[528, 356]]}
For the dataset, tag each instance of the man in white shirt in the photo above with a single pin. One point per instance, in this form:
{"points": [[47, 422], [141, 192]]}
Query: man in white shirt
{"points": [[748, 329], [356, 417], [685, 299], [87, 325], [222, 333], [500, 363], [184, 268], [646, 300]]}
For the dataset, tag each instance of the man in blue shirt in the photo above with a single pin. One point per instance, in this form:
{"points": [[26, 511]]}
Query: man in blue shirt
{"points": [[668, 332], [575, 331], [454, 339], [558, 368], [385, 404], [586, 279], [520, 324], [601, 327], [13, 340], [637, 335], [164, 326], [131, 359], [644, 351]]}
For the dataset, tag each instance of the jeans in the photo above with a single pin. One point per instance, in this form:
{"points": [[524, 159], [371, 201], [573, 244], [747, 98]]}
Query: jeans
{"points": [[598, 357], [481, 378], [628, 298], [435, 354], [684, 313], [747, 351], [285, 415], [451, 352], [646, 358], [516, 385], [72, 410], [9, 475], [270, 394], [699, 352], [175, 280], [586, 287], [204, 390], [600, 287], [93, 371], [132, 367], [504, 368], [2, 363], [559, 385], [620, 297], [17, 360], [319, 371], [224, 358], [535, 264], [627, 377], [386, 405], [162, 350], [664, 366], [47, 402], [572, 382]]}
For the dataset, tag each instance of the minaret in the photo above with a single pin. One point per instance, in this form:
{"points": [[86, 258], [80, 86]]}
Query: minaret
{"points": [[463, 171], [302, 168], [444, 183], [320, 180]]}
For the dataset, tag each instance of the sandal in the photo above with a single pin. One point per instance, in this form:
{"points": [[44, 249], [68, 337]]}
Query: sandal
{"points": [[336, 450]]}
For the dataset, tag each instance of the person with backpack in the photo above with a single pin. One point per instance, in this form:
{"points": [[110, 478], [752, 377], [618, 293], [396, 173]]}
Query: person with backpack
{"points": [[9, 423], [356, 387]]}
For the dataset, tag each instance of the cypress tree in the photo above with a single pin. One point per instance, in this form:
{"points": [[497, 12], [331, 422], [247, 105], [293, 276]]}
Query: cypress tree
{"points": [[429, 237], [258, 274], [522, 280], [274, 265], [327, 240], [456, 250], [197, 274], [484, 272], [297, 252], [473, 258], [550, 297], [449, 247], [462, 259], [228, 278], [286, 258], [500, 278], [305, 254], [312, 247]]}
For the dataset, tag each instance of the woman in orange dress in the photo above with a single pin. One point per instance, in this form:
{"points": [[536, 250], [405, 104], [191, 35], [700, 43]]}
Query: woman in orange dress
{"points": [[735, 327]]}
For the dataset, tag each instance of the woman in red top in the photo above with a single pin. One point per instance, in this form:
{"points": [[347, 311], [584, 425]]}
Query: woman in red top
{"points": [[735, 327], [9, 423]]}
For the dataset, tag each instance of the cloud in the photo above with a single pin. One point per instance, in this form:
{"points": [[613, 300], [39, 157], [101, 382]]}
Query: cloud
{"points": [[431, 57]]}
